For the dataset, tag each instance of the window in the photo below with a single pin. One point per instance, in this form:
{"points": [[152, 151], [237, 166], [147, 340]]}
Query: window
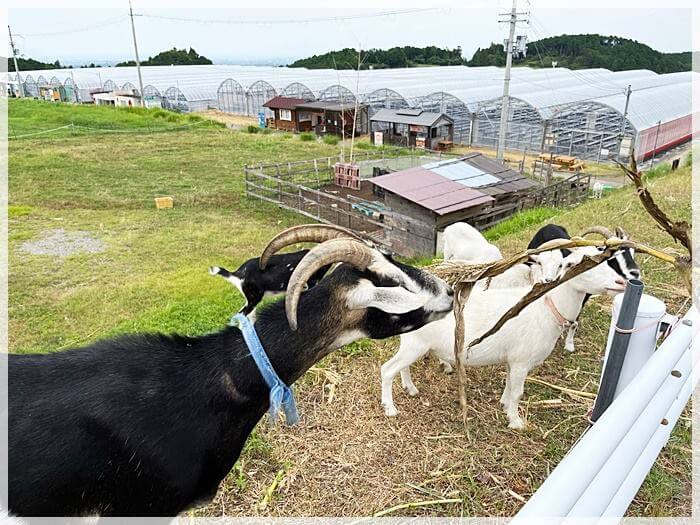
{"points": [[285, 114]]}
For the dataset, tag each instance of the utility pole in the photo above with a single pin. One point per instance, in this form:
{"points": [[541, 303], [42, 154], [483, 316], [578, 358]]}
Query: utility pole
{"points": [[512, 20], [14, 57], [628, 92], [136, 53]]}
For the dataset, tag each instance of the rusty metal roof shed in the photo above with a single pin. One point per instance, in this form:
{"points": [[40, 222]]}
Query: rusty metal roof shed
{"points": [[456, 184]]}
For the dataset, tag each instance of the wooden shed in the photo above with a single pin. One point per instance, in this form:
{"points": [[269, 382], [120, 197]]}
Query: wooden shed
{"points": [[413, 128], [335, 118], [287, 117], [472, 188]]}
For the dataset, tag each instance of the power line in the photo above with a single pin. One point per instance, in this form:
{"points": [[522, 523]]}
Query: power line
{"points": [[288, 21], [99, 25]]}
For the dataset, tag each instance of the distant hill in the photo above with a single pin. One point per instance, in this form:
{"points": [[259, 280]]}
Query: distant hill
{"points": [[178, 57], [29, 64], [406, 56], [587, 51]]}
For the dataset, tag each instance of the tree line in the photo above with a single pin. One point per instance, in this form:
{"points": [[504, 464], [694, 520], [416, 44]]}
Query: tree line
{"points": [[588, 51], [178, 57], [406, 56]]}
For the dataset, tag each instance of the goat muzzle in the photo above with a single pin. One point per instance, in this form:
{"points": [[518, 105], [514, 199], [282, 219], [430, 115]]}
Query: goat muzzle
{"points": [[343, 250], [304, 233]]}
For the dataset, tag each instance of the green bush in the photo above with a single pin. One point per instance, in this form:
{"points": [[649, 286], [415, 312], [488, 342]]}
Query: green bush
{"points": [[266, 131], [364, 145], [251, 128], [660, 169], [307, 136], [331, 140]]}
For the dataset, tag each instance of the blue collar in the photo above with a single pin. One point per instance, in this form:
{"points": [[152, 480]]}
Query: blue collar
{"points": [[281, 396]]}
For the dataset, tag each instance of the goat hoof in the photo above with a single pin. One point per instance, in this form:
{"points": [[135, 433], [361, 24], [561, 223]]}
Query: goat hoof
{"points": [[569, 348], [412, 390], [518, 424], [447, 368], [390, 411]]}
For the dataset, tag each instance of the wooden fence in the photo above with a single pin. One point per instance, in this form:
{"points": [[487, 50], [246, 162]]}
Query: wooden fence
{"points": [[302, 187]]}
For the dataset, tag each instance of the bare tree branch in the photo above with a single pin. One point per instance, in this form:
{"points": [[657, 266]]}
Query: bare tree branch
{"points": [[679, 230]]}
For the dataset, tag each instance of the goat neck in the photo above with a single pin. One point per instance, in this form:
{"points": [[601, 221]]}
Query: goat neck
{"points": [[568, 300], [320, 330]]}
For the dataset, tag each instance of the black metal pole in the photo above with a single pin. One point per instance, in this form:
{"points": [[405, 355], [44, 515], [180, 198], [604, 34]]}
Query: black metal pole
{"points": [[618, 348]]}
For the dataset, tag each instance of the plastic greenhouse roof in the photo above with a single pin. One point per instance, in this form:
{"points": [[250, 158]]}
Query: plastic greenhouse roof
{"points": [[654, 97]]}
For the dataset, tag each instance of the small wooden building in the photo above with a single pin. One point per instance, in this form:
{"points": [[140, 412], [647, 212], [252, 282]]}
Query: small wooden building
{"points": [[472, 188], [335, 118], [286, 116], [413, 128]]}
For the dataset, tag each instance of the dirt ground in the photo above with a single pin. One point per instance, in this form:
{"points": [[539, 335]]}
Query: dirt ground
{"points": [[347, 456], [231, 120]]}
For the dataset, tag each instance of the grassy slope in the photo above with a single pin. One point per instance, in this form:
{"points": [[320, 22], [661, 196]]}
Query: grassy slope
{"points": [[30, 116], [153, 277]]}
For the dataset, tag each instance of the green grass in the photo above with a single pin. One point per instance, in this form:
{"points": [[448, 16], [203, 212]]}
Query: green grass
{"points": [[31, 116], [307, 136], [520, 221], [331, 139], [153, 276]]}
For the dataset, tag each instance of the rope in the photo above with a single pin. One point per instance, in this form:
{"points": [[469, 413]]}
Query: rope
{"points": [[106, 130], [639, 328], [40, 132]]}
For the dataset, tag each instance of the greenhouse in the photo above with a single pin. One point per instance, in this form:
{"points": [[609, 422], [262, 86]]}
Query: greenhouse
{"points": [[186, 99], [577, 112]]}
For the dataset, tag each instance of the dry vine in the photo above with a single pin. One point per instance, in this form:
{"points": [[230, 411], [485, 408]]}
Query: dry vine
{"points": [[463, 276]]}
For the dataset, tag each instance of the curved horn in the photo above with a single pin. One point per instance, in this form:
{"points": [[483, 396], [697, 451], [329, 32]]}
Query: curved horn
{"points": [[336, 250], [600, 230], [304, 233], [620, 233], [553, 244]]}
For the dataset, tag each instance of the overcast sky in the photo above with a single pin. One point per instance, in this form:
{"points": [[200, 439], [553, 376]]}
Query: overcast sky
{"points": [[76, 36]]}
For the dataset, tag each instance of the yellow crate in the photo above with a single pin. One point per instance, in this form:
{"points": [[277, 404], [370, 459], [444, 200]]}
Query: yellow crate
{"points": [[164, 202]]}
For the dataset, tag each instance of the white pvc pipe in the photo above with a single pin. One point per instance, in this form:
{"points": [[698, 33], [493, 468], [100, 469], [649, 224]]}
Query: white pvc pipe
{"points": [[642, 342], [565, 485], [605, 484], [630, 486]]}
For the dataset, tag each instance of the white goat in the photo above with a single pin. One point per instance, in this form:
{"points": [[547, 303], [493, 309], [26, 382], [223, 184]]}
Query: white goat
{"points": [[464, 242], [523, 343]]}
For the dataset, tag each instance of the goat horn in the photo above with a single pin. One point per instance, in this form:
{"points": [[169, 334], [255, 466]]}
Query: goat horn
{"points": [[304, 233], [620, 233], [600, 230], [335, 250], [553, 244]]}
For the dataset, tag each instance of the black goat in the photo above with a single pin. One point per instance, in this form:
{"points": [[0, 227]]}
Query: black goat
{"points": [[548, 233], [255, 283], [148, 425], [622, 262]]}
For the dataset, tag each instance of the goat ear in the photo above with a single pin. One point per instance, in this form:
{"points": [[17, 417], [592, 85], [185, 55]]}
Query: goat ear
{"points": [[392, 299]]}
